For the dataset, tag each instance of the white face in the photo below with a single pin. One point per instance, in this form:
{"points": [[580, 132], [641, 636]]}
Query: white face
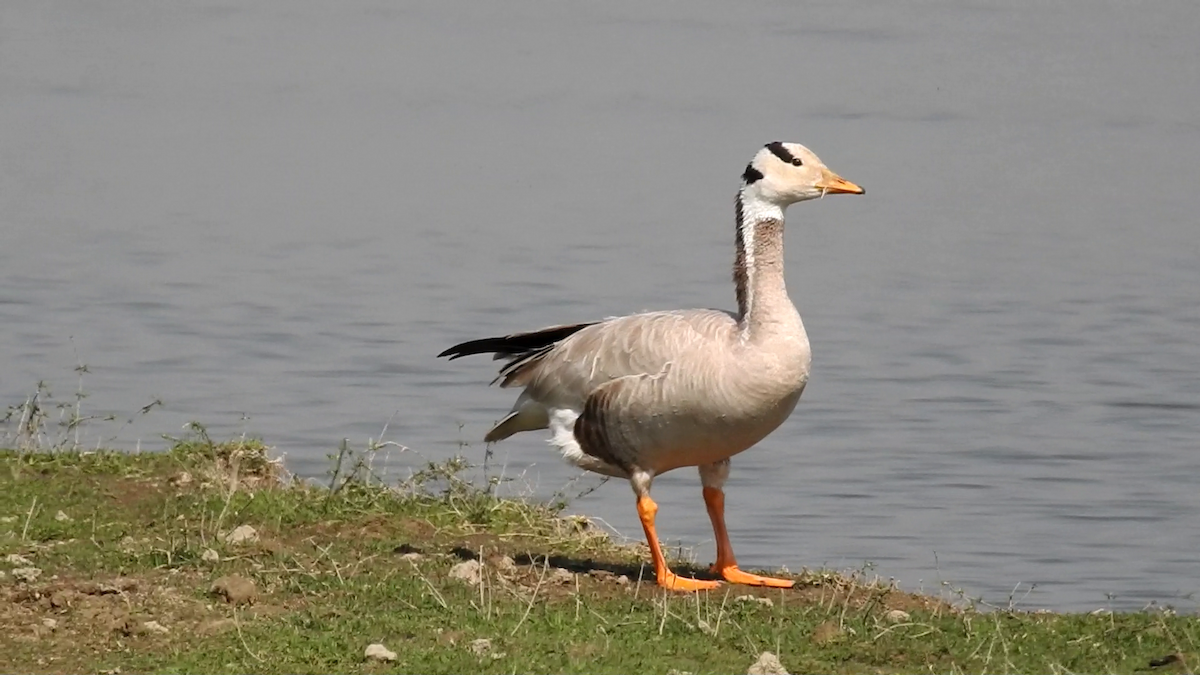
{"points": [[786, 173]]}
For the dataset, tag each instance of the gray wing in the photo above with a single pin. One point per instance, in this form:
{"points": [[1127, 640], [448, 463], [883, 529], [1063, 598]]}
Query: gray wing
{"points": [[638, 344]]}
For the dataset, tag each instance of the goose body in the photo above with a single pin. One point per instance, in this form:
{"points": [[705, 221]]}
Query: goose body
{"points": [[638, 395]]}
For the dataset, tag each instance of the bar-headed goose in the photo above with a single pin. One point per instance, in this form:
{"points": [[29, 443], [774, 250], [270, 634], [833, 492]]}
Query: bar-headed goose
{"points": [[638, 395]]}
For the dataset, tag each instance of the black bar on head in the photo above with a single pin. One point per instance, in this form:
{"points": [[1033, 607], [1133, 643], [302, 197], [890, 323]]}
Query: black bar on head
{"points": [[781, 152]]}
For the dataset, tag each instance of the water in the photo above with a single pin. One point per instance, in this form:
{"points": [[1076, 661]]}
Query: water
{"points": [[272, 216]]}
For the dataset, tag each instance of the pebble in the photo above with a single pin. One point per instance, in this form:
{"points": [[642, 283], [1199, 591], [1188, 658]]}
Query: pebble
{"points": [[236, 590], [61, 599], [154, 627], [467, 571], [481, 646], [242, 534], [755, 598], [504, 565], [767, 664], [561, 576], [26, 574], [378, 652]]}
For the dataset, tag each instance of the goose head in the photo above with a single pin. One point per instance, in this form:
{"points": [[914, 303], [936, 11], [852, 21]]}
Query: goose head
{"points": [[785, 173]]}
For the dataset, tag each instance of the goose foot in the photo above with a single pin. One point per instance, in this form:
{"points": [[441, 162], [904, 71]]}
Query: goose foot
{"points": [[734, 575], [647, 510], [674, 582]]}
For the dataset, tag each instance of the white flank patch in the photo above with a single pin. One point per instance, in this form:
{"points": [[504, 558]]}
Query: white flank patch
{"points": [[562, 436]]}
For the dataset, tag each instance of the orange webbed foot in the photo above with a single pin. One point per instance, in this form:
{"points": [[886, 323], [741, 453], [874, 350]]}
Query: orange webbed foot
{"points": [[734, 575], [674, 582]]}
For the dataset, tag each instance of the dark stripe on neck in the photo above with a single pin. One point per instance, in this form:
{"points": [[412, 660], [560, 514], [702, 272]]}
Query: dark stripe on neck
{"points": [[751, 175], [741, 274], [781, 152]]}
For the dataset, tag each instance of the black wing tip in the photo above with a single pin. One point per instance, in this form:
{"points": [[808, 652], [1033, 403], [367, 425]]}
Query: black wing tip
{"points": [[460, 350], [472, 347], [509, 346]]}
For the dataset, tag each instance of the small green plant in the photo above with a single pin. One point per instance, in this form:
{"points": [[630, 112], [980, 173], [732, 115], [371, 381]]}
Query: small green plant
{"points": [[43, 423]]}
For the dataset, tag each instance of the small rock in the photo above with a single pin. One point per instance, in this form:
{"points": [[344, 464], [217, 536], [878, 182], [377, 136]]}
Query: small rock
{"points": [[467, 571], [897, 615], [154, 627], [17, 559], [504, 565], [602, 575], [210, 556], [622, 580], [61, 599], [26, 574], [378, 652], [481, 646], [561, 576], [412, 557], [236, 590], [767, 602], [180, 479], [242, 534], [62, 517], [767, 664], [50, 623]]}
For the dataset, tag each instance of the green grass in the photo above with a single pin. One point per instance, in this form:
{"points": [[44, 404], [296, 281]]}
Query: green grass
{"points": [[331, 577]]}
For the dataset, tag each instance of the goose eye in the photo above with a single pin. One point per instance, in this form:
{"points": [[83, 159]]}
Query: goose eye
{"points": [[796, 162]]}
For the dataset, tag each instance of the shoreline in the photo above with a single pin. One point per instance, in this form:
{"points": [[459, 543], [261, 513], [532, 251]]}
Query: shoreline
{"points": [[209, 557]]}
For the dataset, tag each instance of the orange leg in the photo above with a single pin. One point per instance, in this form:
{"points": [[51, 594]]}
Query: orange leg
{"points": [[647, 509], [726, 564]]}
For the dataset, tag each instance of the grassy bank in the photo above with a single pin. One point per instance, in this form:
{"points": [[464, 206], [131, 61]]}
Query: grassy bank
{"points": [[205, 559]]}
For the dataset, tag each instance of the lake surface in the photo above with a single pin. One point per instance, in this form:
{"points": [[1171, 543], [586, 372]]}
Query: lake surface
{"points": [[272, 216]]}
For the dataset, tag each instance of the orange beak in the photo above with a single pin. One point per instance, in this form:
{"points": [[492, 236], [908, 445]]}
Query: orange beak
{"points": [[834, 184]]}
